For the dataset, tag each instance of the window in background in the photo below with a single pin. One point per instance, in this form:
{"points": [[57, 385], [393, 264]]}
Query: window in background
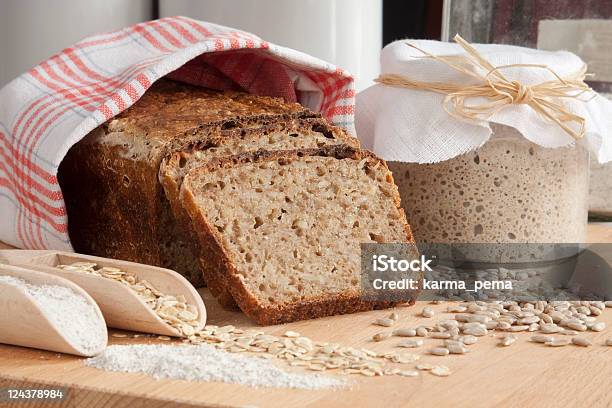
{"points": [[418, 19]]}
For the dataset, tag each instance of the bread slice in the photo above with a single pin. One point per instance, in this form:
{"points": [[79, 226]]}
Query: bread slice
{"points": [[291, 135], [284, 228], [116, 206]]}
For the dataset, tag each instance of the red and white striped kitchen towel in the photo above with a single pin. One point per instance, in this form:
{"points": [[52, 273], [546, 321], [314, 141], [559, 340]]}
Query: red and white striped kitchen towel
{"points": [[51, 107]]}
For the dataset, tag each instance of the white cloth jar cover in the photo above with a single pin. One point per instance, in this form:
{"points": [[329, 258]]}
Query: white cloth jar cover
{"points": [[410, 125]]}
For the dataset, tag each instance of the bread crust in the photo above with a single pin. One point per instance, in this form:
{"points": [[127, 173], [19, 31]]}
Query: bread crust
{"points": [[226, 271]]}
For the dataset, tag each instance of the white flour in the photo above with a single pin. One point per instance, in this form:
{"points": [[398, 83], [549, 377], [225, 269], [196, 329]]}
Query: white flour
{"points": [[205, 363], [76, 319]]}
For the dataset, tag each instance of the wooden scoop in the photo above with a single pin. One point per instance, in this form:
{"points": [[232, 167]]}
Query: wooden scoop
{"points": [[121, 306], [24, 323]]}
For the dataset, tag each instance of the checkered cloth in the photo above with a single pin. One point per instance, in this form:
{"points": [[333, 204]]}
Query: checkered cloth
{"points": [[54, 105]]}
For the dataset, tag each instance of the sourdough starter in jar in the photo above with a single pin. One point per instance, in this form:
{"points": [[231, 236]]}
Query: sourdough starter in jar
{"points": [[508, 191]]}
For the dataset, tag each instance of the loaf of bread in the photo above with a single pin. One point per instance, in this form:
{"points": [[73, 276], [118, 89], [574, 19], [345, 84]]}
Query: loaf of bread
{"points": [[110, 180], [263, 200], [284, 228]]}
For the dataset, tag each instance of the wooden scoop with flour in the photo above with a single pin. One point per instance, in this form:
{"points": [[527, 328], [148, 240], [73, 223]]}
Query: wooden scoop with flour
{"points": [[24, 321], [121, 306]]}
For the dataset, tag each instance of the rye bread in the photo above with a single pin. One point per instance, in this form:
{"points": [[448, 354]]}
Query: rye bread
{"points": [[283, 228], [290, 135], [116, 206]]}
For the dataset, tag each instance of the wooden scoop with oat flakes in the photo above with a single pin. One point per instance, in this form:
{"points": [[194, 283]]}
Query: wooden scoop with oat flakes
{"points": [[131, 296]]}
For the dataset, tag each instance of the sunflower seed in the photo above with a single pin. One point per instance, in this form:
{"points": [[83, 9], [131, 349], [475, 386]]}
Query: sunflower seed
{"points": [[411, 343], [408, 373], [541, 338], [519, 328], [581, 341], [421, 331], [381, 336], [559, 342], [529, 320], [576, 326], [456, 348], [508, 340], [503, 325], [439, 351], [440, 335], [468, 340], [384, 322], [550, 328], [475, 331], [427, 312], [404, 332], [441, 371], [424, 367]]}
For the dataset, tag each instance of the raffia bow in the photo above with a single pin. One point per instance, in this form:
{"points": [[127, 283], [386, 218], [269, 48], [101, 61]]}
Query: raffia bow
{"points": [[545, 98]]}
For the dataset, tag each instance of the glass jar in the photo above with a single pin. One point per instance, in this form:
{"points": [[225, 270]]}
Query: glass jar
{"points": [[582, 27], [510, 190]]}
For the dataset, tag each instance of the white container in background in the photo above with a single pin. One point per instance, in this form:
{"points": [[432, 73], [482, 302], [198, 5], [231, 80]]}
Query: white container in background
{"points": [[347, 33], [33, 30], [590, 39]]}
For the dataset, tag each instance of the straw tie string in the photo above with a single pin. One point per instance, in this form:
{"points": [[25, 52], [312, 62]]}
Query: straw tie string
{"points": [[545, 98]]}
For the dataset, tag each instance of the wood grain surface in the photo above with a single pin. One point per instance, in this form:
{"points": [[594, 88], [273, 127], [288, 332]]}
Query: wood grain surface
{"points": [[522, 375]]}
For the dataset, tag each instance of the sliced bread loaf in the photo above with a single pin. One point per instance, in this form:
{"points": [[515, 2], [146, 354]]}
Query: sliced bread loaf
{"points": [[284, 228], [116, 206], [290, 135]]}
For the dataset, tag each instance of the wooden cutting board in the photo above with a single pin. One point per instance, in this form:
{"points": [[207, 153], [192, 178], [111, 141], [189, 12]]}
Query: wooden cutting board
{"points": [[522, 375]]}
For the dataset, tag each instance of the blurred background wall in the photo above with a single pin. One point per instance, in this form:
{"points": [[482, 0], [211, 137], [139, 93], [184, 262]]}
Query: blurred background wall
{"points": [[33, 30], [348, 33]]}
